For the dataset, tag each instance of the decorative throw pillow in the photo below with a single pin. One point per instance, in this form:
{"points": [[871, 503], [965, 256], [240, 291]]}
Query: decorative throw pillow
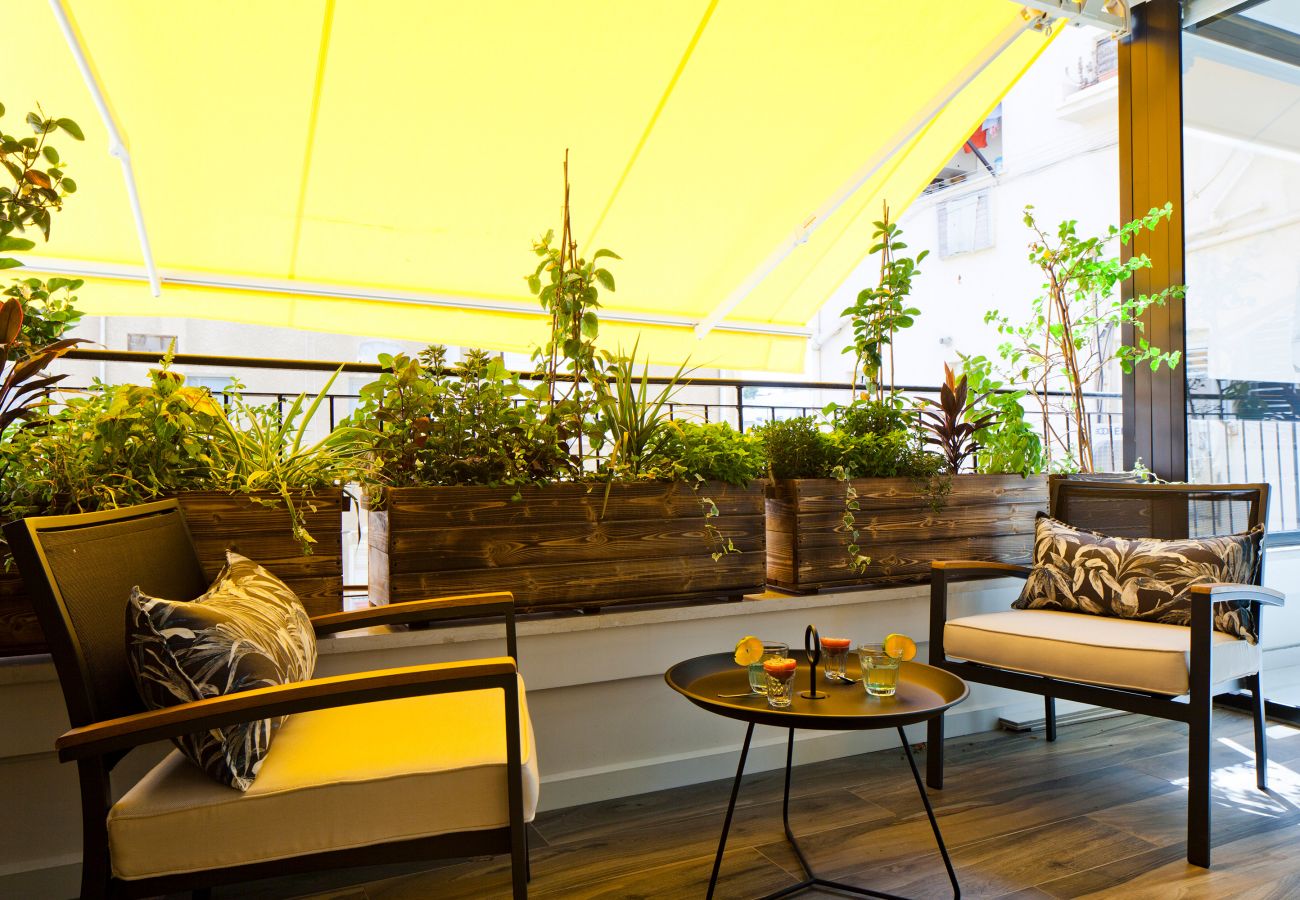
{"points": [[1148, 579], [248, 630]]}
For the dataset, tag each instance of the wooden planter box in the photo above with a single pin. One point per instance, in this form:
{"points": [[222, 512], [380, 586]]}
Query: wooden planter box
{"points": [[986, 517], [563, 545], [219, 521]]}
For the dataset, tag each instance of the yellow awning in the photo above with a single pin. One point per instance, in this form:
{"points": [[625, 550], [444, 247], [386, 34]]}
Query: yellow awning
{"points": [[381, 167]]}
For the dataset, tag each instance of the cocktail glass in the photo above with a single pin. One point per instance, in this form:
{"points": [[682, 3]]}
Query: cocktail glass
{"points": [[879, 670], [757, 677], [835, 658], [779, 672]]}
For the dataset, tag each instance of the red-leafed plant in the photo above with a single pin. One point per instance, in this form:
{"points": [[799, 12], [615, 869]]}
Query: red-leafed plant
{"points": [[25, 385], [950, 424]]}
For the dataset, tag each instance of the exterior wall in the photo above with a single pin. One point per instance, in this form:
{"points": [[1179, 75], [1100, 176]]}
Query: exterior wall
{"points": [[1060, 153]]}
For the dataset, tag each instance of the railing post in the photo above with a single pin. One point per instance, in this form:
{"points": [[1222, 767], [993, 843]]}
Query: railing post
{"points": [[740, 407]]}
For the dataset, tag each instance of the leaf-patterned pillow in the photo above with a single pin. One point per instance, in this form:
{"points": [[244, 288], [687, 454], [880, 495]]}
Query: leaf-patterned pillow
{"points": [[1149, 579], [248, 630]]}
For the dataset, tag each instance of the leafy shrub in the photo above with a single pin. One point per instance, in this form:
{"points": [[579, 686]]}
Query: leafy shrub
{"points": [[1010, 445], [473, 423], [48, 312], [116, 445], [877, 417], [712, 452], [798, 448]]}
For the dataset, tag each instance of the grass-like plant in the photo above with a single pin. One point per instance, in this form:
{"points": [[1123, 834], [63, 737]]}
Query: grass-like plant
{"points": [[633, 419], [262, 448]]}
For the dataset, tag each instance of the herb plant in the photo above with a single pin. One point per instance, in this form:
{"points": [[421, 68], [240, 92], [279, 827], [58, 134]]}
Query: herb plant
{"points": [[428, 423], [880, 312], [1009, 444], [568, 287]]}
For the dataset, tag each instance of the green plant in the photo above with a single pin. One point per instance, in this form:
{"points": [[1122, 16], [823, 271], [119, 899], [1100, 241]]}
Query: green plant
{"points": [[1066, 341], [39, 182], [797, 448], [711, 451], [114, 445], [1009, 445], [880, 312], [24, 387], [952, 424], [48, 312], [867, 416], [264, 448], [568, 287], [633, 421], [427, 423]]}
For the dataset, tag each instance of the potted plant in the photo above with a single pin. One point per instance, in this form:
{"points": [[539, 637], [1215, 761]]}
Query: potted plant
{"points": [[1073, 334], [858, 499], [33, 318], [245, 476], [575, 491]]}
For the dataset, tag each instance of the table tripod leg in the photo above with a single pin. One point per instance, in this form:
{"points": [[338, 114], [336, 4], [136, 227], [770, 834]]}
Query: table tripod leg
{"points": [[731, 808], [934, 825]]}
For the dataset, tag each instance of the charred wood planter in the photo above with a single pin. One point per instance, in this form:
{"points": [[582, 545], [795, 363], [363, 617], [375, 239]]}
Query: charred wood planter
{"points": [[985, 517], [566, 546], [218, 522]]}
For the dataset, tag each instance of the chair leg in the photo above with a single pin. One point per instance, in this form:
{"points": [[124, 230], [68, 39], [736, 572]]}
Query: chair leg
{"points": [[1049, 717], [1256, 687], [519, 875], [934, 752], [1200, 722]]}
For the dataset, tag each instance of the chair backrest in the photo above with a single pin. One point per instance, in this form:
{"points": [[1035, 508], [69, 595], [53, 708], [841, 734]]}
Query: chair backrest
{"points": [[79, 570], [1165, 511]]}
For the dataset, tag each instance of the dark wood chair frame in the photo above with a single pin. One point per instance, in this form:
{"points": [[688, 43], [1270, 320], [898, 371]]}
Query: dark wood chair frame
{"points": [[1196, 711], [98, 745]]}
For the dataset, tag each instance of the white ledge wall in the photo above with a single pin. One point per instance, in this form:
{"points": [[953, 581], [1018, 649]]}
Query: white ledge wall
{"points": [[607, 725]]}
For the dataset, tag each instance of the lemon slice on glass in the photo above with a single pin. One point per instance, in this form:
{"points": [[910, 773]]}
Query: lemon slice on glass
{"points": [[749, 650], [900, 646]]}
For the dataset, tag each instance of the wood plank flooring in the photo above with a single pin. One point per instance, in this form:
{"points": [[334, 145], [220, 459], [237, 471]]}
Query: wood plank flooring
{"points": [[1100, 813]]}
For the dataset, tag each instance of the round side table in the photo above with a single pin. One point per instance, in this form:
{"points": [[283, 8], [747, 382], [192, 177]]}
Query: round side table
{"points": [[714, 682]]}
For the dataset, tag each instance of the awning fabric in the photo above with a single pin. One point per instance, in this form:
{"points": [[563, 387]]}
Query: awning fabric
{"points": [[380, 167]]}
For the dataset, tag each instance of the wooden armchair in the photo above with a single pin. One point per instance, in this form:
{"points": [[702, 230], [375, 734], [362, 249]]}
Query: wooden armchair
{"points": [[448, 770], [1136, 666]]}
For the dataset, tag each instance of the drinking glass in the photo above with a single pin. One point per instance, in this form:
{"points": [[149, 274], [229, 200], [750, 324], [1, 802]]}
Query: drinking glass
{"points": [[757, 677], [879, 670], [835, 658], [779, 672]]}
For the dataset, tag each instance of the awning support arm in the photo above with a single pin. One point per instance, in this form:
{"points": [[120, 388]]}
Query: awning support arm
{"points": [[116, 141]]}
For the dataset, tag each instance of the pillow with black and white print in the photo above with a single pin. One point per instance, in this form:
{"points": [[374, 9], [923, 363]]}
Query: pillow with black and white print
{"points": [[1139, 578], [248, 630]]}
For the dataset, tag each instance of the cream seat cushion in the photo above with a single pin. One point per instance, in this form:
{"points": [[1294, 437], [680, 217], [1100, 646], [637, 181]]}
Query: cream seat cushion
{"points": [[334, 778], [1122, 653]]}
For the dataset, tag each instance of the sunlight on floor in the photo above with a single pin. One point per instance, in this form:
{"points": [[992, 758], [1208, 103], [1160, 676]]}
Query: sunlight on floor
{"points": [[1234, 785]]}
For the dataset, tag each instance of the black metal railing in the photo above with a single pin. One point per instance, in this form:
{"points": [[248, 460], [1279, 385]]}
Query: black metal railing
{"points": [[1223, 446]]}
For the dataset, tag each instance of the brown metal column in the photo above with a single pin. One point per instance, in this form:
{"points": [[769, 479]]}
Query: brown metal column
{"points": [[1151, 174]]}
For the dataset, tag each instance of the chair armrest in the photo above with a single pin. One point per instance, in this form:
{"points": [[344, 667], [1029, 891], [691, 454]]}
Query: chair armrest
{"points": [[438, 609], [978, 567], [1251, 593], [318, 693]]}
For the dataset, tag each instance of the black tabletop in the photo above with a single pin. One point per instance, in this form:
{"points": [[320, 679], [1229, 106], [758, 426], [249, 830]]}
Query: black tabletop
{"points": [[923, 692]]}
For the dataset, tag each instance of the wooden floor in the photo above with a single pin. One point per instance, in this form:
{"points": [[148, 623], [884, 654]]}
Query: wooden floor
{"points": [[1100, 813]]}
